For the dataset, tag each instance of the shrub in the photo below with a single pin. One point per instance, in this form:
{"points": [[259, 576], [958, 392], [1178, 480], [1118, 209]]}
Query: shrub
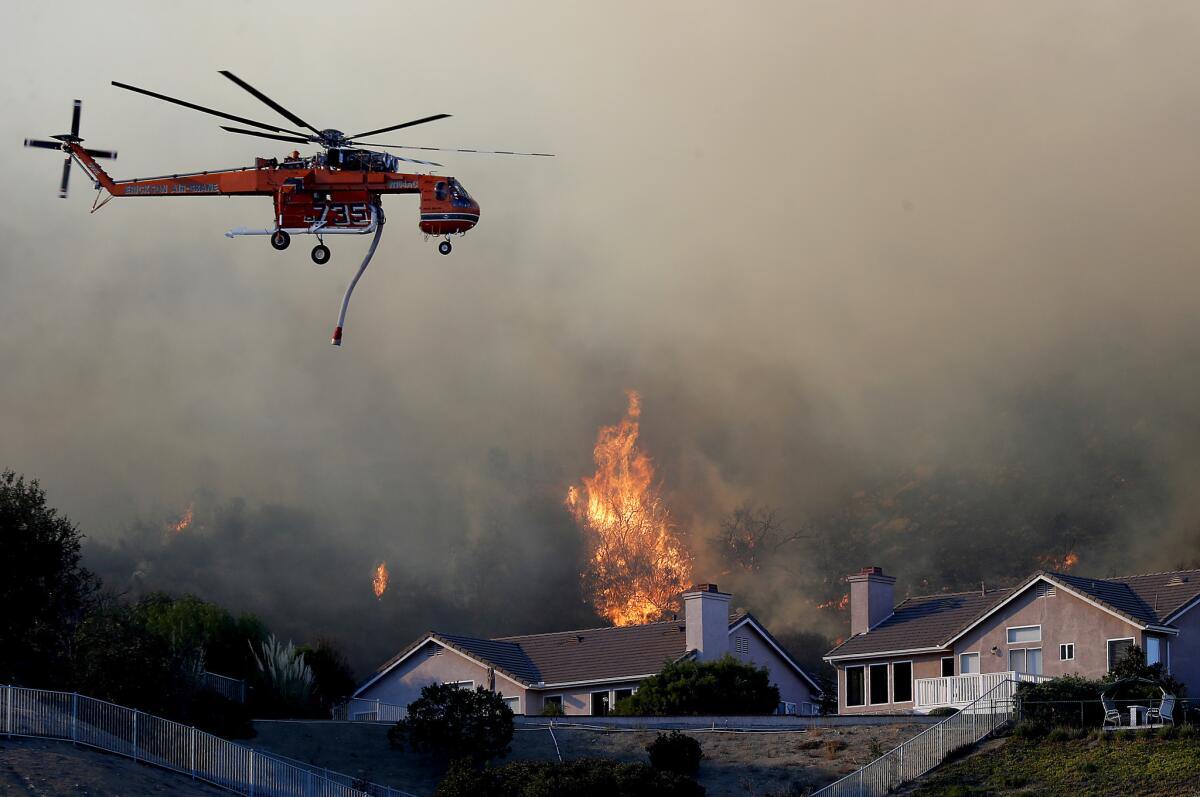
{"points": [[944, 711], [552, 710], [211, 712], [1070, 700], [581, 778], [452, 723], [722, 687], [675, 752]]}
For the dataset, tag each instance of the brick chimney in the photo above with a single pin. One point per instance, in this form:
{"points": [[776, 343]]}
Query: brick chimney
{"points": [[871, 598], [706, 620]]}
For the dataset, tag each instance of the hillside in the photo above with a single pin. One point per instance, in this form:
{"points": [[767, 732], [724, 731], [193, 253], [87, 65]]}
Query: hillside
{"points": [[740, 764], [41, 768], [1097, 764]]}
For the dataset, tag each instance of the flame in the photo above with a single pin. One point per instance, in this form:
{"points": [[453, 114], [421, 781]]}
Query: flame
{"points": [[183, 523], [1063, 564], [637, 565], [840, 604], [379, 581]]}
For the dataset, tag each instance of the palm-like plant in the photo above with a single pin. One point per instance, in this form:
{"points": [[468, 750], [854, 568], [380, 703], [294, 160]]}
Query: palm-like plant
{"points": [[284, 671]]}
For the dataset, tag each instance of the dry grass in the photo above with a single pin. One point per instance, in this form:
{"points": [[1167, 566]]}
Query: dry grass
{"points": [[740, 764]]}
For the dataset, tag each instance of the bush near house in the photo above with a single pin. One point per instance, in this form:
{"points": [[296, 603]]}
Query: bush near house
{"points": [[675, 752], [587, 777], [453, 723], [690, 688]]}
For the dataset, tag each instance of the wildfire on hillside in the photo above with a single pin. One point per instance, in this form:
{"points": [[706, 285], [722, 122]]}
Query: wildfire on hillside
{"points": [[636, 564], [839, 604], [379, 581], [1061, 564], [184, 522]]}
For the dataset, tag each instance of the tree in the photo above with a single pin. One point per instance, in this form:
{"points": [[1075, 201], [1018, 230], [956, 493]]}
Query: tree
{"points": [[44, 591], [333, 680], [1132, 664], [453, 723], [688, 688]]}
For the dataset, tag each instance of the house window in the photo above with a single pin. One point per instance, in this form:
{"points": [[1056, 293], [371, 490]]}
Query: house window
{"points": [[1116, 650], [968, 663], [1154, 650], [1028, 660], [600, 704], [621, 694], [879, 684], [743, 645], [1066, 651], [1025, 633], [902, 682], [947, 666], [462, 684], [856, 694], [514, 704], [553, 700]]}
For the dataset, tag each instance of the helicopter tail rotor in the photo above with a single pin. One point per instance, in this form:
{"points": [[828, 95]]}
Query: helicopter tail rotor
{"points": [[64, 142]]}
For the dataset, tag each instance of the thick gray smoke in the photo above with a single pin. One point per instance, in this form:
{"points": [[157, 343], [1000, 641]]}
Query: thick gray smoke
{"points": [[921, 279]]}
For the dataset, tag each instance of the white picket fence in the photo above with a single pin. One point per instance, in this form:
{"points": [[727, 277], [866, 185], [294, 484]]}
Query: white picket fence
{"points": [[975, 721], [171, 745]]}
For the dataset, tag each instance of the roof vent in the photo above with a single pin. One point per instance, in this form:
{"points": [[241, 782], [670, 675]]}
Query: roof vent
{"points": [[1177, 580]]}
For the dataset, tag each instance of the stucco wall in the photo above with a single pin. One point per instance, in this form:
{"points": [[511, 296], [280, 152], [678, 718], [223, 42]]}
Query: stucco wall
{"points": [[1063, 618], [403, 684], [1184, 651], [792, 688]]}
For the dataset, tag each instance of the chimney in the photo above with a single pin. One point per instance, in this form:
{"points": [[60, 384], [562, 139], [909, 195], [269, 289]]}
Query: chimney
{"points": [[871, 598], [706, 620]]}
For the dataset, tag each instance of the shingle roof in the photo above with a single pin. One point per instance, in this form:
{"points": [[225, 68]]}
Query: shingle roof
{"points": [[931, 621]]}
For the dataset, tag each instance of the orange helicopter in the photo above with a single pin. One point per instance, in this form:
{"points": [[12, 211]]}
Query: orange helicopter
{"points": [[336, 192]]}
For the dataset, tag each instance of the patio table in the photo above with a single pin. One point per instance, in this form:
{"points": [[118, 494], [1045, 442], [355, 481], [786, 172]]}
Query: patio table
{"points": [[1137, 715]]}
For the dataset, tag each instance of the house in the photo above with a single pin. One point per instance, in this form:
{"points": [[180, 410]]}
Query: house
{"points": [[947, 649], [587, 671]]}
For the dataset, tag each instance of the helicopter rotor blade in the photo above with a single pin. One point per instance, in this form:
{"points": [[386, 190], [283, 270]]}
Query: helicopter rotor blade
{"points": [[296, 139], [279, 109], [202, 109], [66, 176], [433, 118], [447, 149], [414, 160], [102, 153], [75, 118], [40, 144]]}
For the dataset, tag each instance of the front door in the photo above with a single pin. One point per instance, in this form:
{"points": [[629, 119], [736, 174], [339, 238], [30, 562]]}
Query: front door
{"points": [[599, 704]]}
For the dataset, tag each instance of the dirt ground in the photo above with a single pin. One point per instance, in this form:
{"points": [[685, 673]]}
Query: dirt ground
{"points": [[735, 764], [41, 768]]}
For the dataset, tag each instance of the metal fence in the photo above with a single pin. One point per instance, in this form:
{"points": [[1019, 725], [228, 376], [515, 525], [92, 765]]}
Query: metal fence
{"points": [[229, 688], [358, 709], [912, 759], [171, 745]]}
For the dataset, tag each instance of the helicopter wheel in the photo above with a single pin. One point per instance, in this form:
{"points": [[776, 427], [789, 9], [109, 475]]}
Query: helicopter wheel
{"points": [[280, 240], [320, 254], [444, 247]]}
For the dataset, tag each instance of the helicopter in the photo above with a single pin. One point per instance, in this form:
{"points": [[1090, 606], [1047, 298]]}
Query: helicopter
{"points": [[337, 191]]}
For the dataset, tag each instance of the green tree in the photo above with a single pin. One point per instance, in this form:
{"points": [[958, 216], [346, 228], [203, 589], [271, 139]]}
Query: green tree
{"points": [[44, 591], [453, 723], [333, 680], [117, 658], [688, 688]]}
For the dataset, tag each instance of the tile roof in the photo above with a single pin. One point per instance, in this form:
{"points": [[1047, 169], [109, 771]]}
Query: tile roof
{"points": [[590, 654], [931, 621]]}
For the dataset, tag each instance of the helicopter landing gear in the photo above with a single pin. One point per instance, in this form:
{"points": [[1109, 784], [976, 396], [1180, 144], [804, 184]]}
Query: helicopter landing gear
{"points": [[320, 254], [444, 247], [280, 240]]}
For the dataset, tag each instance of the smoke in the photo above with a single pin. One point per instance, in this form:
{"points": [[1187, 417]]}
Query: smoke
{"points": [[918, 279]]}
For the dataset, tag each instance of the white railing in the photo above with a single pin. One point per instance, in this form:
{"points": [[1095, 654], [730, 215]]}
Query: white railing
{"points": [[170, 745], [358, 709], [229, 688], [956, 691], [978, 719]]}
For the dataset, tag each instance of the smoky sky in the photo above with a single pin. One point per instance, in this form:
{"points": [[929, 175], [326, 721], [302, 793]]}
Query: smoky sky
{"points": [[919, 277]]}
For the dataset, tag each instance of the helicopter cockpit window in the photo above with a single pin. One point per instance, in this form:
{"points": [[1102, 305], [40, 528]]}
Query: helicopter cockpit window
{"points": [[459, 197], [439, 191]]}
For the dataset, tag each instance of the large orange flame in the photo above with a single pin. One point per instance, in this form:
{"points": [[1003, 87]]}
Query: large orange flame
{"points": [[183, 523], [1062, 565], [379, 581], [637, 566]]}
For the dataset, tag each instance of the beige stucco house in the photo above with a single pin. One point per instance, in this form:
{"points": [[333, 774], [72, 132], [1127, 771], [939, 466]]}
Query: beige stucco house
{"points": [[584, 671], [945, 650]]}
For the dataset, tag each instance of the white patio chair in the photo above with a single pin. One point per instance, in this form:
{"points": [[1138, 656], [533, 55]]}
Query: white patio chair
{"points": [[1111, 713], [1164, 712]]}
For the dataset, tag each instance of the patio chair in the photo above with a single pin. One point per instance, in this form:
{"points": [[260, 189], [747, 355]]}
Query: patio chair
{"points": [[1165, 712], [1111, 712]]}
